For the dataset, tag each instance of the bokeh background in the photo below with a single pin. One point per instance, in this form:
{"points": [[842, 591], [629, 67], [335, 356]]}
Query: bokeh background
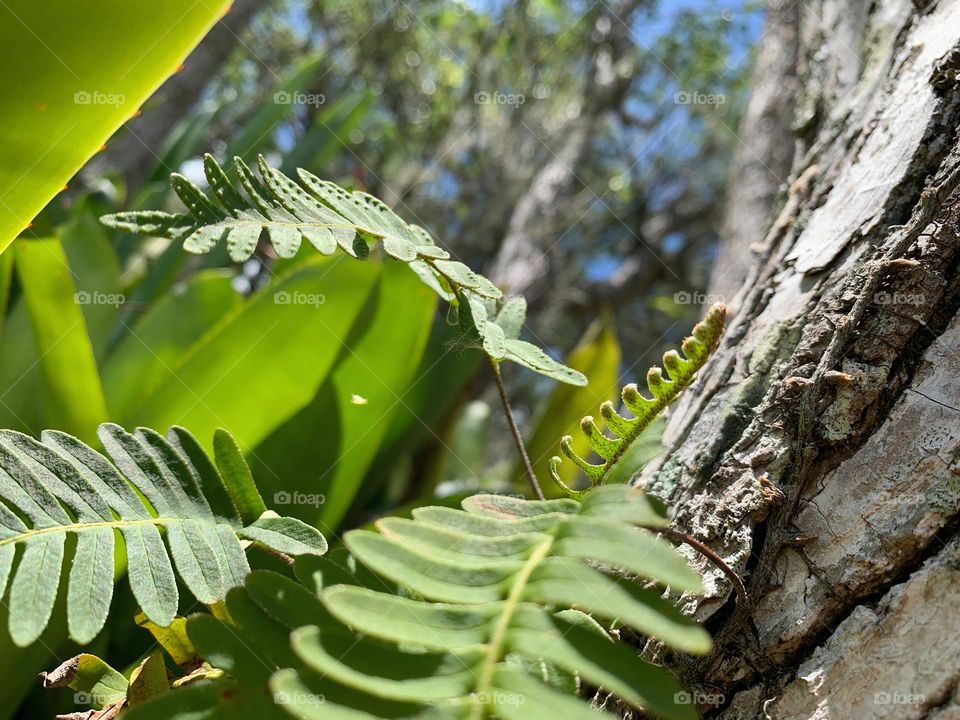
{"points": [[575, 152]]}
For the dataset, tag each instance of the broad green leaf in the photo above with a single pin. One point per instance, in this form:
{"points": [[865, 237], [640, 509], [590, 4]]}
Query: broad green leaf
{"points": [[323, 139], [265, 361], [256, 133], [20, 371], [153, 345], [6, 274], [96, 275], [62, 102], [462, 458], [443, 372], [72, 397], [338, 434]]}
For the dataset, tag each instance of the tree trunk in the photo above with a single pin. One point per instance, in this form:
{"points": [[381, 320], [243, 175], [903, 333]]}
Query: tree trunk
{"points": [[819, 453]]}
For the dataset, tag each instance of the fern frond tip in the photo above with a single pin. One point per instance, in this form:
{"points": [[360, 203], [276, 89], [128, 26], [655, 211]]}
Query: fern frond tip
{"points": [[555, 474], [682, 371]]}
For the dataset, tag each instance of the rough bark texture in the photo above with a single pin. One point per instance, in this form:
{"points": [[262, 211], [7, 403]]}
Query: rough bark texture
{"points": [[760, 171], [819, 453]]}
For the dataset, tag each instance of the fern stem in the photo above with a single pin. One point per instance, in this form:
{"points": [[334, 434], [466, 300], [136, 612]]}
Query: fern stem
{"points": [[517, 437], [495, 648], [78, 527], [731, 574]]}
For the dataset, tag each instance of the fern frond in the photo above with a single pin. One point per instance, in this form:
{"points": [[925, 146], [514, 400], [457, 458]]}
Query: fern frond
{"points": [[682, 372], [492, 587], [499, 338], [330, 219], [488, 611], [60, 487]]}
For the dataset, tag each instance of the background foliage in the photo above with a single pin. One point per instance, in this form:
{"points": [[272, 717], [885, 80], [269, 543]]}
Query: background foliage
{"points": [[461, 116]]}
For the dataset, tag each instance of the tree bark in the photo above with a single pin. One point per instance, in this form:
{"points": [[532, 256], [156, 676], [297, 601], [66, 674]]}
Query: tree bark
{"points": [[819, 453]]}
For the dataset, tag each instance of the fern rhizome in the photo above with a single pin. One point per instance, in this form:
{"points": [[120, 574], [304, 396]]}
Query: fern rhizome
{"points": [[505, 608]]}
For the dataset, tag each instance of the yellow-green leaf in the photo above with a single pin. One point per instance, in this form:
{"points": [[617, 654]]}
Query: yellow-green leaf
{"points": [[61, 102]]}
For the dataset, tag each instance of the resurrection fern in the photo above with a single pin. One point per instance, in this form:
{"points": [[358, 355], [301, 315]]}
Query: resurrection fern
{"points": [[330, 218], [60, 487], [502, 609], [682, 371]]}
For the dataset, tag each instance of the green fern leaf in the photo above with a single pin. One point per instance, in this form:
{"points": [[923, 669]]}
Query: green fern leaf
{"points": [[330, 219], [498, 339], [472, 618], [484, 585], [323, 214], [682, 372], [61, 487]]}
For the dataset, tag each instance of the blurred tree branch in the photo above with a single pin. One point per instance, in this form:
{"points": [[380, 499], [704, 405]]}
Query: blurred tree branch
{"points": [[521, 264]]}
